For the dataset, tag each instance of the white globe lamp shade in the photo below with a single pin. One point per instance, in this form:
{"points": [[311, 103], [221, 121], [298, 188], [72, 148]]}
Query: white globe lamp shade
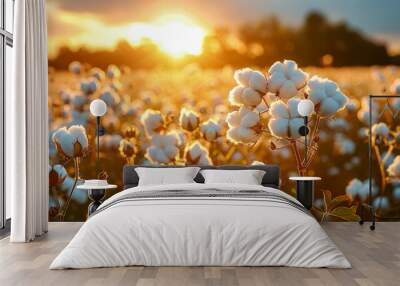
{"points": [[305, 107], [98, 107]]}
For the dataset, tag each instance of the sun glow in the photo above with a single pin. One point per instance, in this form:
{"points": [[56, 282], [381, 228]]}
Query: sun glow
{"points": [[176, 35]]}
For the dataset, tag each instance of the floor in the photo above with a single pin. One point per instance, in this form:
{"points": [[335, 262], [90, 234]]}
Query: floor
{"points": [[375, 257]]}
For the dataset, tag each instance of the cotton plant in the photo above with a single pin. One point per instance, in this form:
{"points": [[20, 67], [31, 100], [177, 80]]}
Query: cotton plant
{"points": [[128, 148], [164, 149], [71, 144], [286, 85], [197, 154]]}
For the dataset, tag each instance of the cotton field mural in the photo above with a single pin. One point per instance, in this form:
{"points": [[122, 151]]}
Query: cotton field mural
{"points": [[183, 91]]}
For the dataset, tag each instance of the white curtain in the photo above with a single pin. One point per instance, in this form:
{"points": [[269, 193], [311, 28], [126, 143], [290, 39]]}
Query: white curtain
{"points": [[27, 124]]}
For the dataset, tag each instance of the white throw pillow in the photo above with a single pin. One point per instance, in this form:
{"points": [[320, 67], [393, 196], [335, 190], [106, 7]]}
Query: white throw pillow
{"points": [[166, 176], [248, 177]]}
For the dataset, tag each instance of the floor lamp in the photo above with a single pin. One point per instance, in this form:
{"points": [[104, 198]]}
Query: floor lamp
{"points": [[98, 108]]}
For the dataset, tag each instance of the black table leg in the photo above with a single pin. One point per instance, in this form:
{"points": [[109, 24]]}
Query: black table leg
{"points": [[96, 196], [305, 193]]}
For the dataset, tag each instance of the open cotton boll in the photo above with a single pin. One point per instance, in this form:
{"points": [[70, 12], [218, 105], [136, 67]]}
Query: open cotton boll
{"points": [[380, 129], [327, 95], [286, 79], [339, 123], [344, 145], [89, 86], [210, 130], [395, 87], [352, 105], [394, 168], [381, 203], [110, 97], [247, 96], [250, 78], [113, 72], [197, 154], [188, 119], [78, 101], [75, 67], [97, 73], [285, 119], [360, 188], [163, 148], [153, 121], [242, 125], [71, 142]]}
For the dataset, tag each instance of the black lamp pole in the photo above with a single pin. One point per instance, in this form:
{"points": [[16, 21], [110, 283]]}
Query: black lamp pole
{"points": [[97, 143], [305, 138]]}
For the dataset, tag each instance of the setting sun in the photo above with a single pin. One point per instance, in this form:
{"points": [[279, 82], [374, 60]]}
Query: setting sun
{"points": [[176, 35]]}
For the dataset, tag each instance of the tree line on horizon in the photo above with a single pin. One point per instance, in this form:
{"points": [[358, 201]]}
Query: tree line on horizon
{"points": [[317, 42]]}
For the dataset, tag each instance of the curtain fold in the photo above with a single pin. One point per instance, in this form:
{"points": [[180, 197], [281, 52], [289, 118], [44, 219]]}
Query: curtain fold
{"points": [[27, 124]]}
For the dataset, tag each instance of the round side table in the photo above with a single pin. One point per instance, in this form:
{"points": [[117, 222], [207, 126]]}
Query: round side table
{"points": [[305, 190], [96, 194]]}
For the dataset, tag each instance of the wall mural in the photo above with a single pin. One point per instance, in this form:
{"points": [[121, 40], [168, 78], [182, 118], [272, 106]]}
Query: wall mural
{"points": [[182, 91]]}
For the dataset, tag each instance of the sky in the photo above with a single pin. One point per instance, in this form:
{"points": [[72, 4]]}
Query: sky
{"points": [[76, 19]]}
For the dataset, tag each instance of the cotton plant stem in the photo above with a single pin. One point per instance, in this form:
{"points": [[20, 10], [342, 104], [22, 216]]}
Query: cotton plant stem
{"points": [[377, 152], [295, 150], [388, 153], [76, 164]]}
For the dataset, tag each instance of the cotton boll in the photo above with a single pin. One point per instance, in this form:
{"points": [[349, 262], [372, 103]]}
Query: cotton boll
{"points": [[89, 86], [189, 120], [361, 189], [380, 129], [285, 119], [294, 126], [381, 203], [197, 154], [338, 123], [326, 94], [241, 135], [110, 97], [395, 87], [71, 142], [344, 145], [65, 96], [258, 82], [97, 73], [57, 175], [286, 79], [152, 121], [396, 193], [363, 133], [394, 168], [244, 96], [363, 114], [113, 72], [279, 127], [279, 109], [210, 130], [352, 105], [78, 101], [163, 149], [75, 67]]}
